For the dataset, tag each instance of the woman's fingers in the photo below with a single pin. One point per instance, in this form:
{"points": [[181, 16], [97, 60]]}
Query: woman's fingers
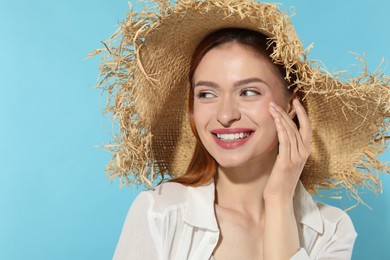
{"points": [[284, 142], [296, 143], [283, 136], [287, 132], [304, 123], [292, 152]]}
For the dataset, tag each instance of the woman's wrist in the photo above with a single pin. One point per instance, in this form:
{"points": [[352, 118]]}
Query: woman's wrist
{"points": [[278, 200]]}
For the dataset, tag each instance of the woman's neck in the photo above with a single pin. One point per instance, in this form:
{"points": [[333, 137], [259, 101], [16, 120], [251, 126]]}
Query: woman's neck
{"points": [[241, 188]]}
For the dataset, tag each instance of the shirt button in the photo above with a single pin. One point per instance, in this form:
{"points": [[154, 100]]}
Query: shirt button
{"points": [[212, 240]]}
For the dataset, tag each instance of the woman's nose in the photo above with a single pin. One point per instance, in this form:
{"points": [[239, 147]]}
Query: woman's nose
{"points": [[228, 112]]}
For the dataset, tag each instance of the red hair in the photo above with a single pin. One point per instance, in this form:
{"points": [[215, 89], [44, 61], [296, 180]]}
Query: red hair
{"points": [[203, 166]]}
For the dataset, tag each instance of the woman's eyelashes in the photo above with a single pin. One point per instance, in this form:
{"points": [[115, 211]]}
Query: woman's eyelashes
{"points": [[243, 93], [205, 94], [249, 92]]}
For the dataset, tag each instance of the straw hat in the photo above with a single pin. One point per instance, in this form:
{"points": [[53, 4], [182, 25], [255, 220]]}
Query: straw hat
{"points": [[145, 73]]}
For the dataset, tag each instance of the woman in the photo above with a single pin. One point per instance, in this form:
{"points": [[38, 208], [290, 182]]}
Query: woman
{"points": [[240, 196]]}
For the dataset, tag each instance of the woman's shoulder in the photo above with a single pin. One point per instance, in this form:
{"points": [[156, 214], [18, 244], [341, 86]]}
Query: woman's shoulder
{"points": [[321, 217], [336, 218], [166, 196], [331, 213]]}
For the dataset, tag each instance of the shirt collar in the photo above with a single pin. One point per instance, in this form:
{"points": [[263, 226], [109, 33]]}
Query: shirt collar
{"points": [[306, 210], [200, 210], [200, 207]]}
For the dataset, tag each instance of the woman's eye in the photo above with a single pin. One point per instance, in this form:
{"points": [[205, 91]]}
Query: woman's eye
{"points": [[249, 93], [205, 95]]}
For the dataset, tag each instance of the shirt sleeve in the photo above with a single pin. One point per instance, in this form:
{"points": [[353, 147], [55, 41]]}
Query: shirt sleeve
{"points": [[136, 240], [338, 247]]}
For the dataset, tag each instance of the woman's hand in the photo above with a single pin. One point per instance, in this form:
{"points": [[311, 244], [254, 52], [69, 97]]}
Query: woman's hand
{"points": [[294, 149], [281, 238]]}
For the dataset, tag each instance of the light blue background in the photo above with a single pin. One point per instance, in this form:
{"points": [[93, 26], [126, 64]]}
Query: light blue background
{"points": [[55, 200]]}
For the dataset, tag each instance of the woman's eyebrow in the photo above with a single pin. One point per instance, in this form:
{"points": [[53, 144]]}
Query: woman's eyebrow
{"points": [[206, 84], [248, 81], [236, 84]]}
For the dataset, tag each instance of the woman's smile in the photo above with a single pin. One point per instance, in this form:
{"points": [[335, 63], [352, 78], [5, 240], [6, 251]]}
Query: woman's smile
{"points": [[231, 138]]}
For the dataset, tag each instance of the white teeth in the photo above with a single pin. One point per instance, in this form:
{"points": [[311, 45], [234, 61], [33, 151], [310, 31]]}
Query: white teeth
{"points": [[233, 137]]}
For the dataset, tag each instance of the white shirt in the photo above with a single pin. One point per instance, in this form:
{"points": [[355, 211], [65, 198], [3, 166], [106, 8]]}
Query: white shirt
{"points": [[178, 222]]}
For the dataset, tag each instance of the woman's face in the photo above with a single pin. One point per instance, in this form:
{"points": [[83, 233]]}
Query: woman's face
{"points": [[233, 86]]}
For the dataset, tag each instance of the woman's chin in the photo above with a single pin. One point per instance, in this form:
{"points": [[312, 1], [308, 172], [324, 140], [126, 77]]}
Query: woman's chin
{"points": [[230, 163]]}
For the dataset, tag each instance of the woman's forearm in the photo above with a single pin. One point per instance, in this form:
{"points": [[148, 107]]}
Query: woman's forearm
{"points": [[281, 239]]}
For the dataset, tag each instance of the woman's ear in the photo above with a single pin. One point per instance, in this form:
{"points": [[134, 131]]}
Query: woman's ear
{"points": [[290, 109]]}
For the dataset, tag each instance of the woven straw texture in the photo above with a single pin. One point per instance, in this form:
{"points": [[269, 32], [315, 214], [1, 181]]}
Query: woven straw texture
{"points": [[145, 73]]}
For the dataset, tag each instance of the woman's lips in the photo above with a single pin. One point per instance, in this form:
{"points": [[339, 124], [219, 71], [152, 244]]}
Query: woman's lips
{"points": [[231, 138]]}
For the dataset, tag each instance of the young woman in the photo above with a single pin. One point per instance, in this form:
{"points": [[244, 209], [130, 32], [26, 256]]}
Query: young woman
{"points": [[242, 194]]}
